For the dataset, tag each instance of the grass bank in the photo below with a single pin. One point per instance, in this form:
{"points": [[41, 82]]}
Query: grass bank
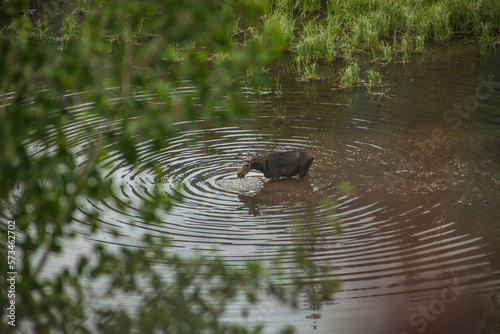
{"points": [[332, 29], [389, 30], [329, 30]]}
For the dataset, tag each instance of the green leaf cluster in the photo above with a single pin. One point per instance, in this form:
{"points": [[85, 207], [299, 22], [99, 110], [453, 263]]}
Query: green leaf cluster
{"points": [[106, 59]]}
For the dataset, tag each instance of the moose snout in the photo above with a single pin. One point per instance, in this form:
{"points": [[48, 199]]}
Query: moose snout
{"points": [[241, 173]]}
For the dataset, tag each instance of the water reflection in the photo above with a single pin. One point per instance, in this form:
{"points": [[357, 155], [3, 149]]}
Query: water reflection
{"points": [[286, 193]]}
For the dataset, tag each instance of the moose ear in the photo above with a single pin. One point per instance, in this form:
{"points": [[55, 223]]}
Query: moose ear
{"points": [[239, 156]]}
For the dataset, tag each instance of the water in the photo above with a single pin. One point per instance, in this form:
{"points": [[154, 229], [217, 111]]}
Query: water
{"points": [[419, 249]]}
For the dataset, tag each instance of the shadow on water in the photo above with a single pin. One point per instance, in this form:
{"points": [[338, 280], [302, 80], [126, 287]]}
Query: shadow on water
{"points": [[285, 193], [419, 249]]}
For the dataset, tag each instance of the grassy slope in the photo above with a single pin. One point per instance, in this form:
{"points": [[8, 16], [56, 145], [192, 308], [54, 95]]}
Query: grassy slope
{"points": [[389, 29], [336, 27]]}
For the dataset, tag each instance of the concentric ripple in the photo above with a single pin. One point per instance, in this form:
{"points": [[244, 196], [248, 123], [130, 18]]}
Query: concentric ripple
{"points": [[216, 206]]}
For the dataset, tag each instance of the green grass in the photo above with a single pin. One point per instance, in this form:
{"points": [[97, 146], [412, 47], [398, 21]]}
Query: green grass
{"points": [[42, 31], [307, 69], [348, 51], [365, 34], [374, 79], [389, 30], [283, 26], [304, 7], [342, 28], [81, 6], [487, 37], [317, 41], [350, 77], [70, 29], [439, 17], [406, 47], [419, 44], [387, 51], [315, 30], [332, 29]]}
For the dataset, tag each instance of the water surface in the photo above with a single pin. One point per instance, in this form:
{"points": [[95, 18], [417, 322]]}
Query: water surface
{"points": [[419, 249]]}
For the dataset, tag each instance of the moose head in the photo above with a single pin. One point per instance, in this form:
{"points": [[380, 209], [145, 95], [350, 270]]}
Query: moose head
{"points": [[247, 164]]}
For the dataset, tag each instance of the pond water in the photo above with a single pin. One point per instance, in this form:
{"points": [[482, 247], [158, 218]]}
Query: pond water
{"points": [[419, 251]]}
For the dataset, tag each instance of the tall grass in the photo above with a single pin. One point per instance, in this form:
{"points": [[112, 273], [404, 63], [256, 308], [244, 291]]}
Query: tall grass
{"points": [[390, 30], [487, 37], [489, 12], [311, 43], [368, 24], [350, 77], [439, 17], [406, 47], [307, 69], [304, 7], [374, 79], [462, 14], [81, 6], [283, 25], [318, 41], [419, 43], [387, 50], [70, 29], [366, 35], [42, 31]]}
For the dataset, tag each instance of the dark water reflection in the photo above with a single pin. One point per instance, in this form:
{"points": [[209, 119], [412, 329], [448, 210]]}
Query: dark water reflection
{"points": [[419, 251]]}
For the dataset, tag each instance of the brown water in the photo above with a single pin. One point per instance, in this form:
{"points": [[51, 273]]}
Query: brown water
{"points": [[419, 250]]}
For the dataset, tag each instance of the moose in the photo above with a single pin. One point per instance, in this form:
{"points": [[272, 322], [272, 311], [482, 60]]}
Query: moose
{"points": [[276, 164]]}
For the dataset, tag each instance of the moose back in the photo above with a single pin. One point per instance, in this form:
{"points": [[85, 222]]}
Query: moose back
{"points": [[276, 164]]}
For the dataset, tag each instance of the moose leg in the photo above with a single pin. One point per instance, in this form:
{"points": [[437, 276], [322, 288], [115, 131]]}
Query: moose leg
{"points": [[273, 176], [305, 168]]}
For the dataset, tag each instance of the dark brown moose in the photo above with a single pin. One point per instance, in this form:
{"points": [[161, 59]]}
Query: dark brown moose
{"points": [[276, 164]]}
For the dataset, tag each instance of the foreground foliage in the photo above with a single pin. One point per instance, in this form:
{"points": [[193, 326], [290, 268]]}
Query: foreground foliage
{"points": [[104, 60]]}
